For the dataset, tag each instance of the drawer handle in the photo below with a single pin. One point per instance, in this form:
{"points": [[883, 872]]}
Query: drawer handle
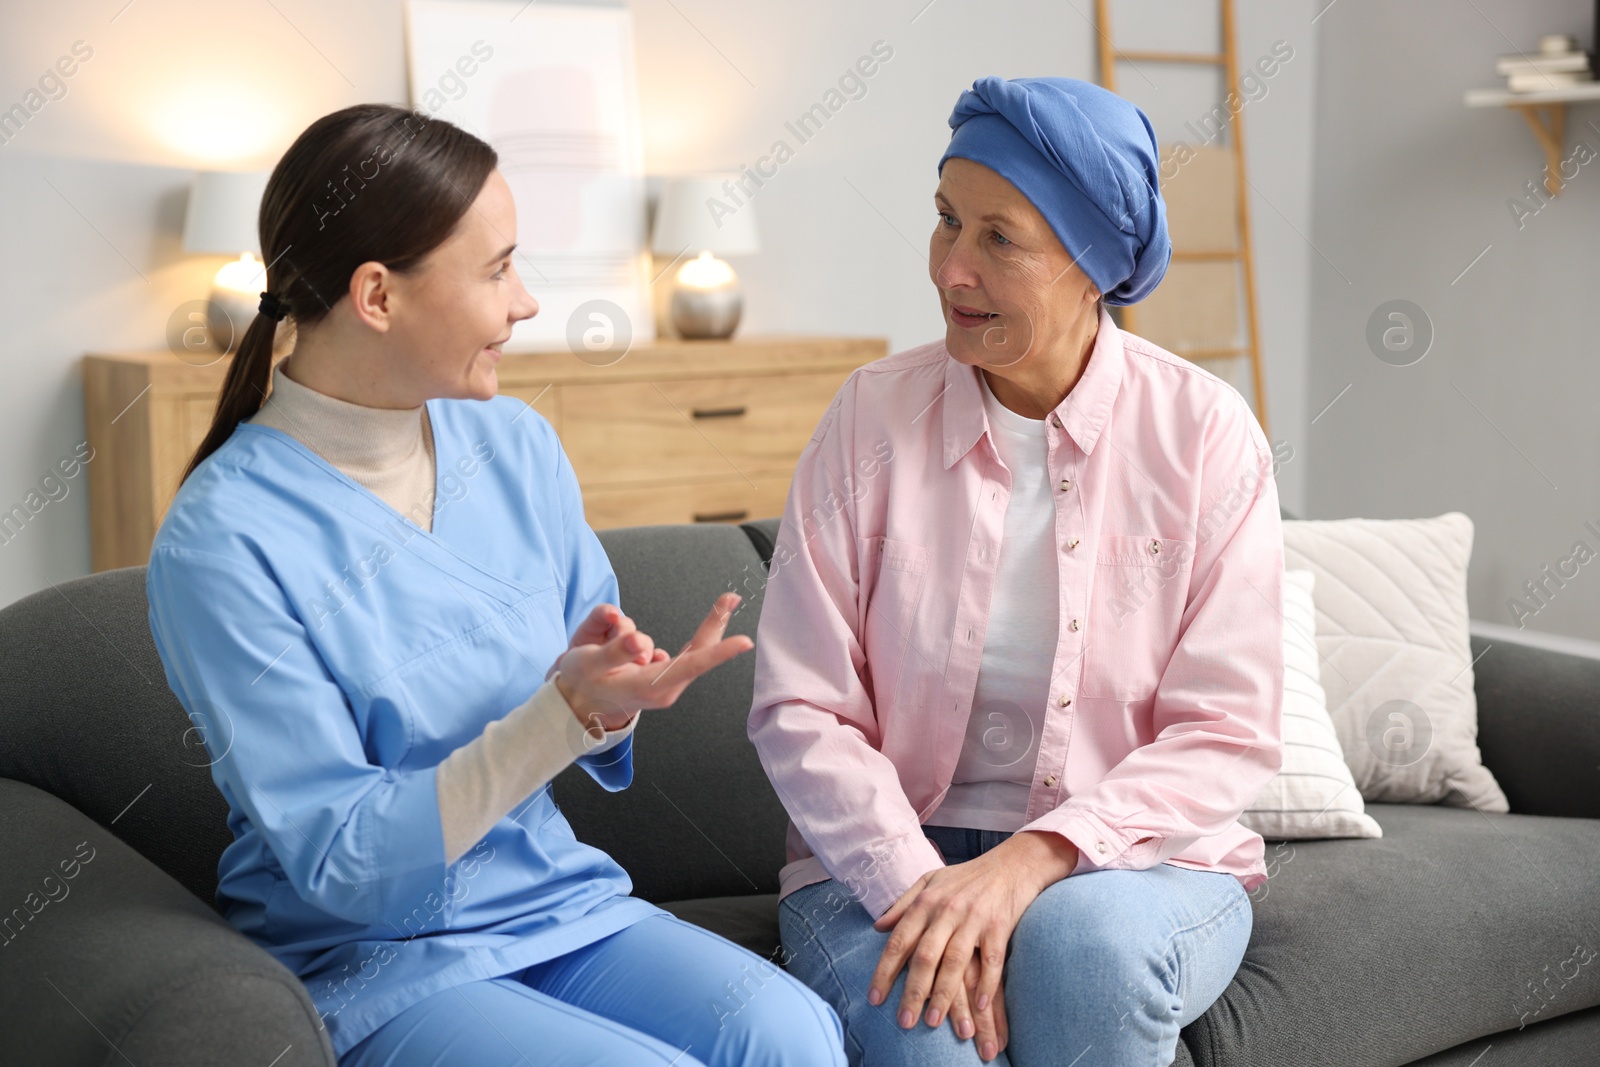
{"points": [[719, 413], [721, 516]]}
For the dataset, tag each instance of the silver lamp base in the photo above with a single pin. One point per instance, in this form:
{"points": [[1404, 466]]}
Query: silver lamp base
{"points": [[706, 314]]}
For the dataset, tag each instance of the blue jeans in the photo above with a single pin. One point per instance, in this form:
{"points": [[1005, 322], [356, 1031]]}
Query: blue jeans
{"points": [[660, 992], [1103, 969]]}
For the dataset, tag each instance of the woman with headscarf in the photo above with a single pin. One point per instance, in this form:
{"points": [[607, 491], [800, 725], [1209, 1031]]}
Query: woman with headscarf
{"points": [[1020, 667]]}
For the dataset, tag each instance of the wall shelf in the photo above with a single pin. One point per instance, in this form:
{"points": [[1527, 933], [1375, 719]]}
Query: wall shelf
{"points": [[1546, 113]]}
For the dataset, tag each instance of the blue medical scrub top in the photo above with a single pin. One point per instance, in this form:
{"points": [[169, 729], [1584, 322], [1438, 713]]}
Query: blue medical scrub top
{"points": [[331, 654]]}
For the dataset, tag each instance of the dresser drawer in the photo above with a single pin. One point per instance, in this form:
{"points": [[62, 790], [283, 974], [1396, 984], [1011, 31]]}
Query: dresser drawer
{"points": [[734, 500], [676, 433], [637, 431]]}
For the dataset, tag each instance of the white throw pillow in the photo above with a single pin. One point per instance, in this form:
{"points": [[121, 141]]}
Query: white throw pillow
{"points": [[1313, 795], [1391, 597]]}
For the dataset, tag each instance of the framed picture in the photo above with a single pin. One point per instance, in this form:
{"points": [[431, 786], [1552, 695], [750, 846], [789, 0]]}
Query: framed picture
{"points": [[552, 88]]}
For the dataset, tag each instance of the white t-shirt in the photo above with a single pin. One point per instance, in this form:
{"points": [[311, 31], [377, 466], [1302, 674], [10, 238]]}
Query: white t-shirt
{"points": [[989, 790]]}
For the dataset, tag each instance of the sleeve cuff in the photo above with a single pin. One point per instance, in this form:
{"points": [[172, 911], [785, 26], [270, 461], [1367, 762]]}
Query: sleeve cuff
{"points": [[608, 761], [1099, 845], [883, 875], [611, 767], [613, 738], [589, 746]]}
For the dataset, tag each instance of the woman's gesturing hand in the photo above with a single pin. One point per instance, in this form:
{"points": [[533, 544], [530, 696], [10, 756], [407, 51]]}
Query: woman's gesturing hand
{"points": [[604, 622], [613, 668], [953, 925]]}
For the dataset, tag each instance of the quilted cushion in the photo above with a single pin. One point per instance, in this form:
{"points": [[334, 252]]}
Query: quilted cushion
{"points": [[1391, 597], [1313, 794]]}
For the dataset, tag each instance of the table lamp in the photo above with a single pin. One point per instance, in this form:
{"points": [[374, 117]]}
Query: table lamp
{"points": [[221, 220], [705, 217]]}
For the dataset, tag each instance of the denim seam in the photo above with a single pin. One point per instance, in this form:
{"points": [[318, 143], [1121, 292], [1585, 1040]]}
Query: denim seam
{"points": [[844, 992], [1178, 964]]}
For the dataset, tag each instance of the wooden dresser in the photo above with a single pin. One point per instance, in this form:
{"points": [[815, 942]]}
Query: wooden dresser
{"points": [[676, 431]]}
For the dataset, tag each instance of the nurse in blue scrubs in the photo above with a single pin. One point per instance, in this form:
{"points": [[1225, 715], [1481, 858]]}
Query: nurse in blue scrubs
{"points": [[385, 690]]}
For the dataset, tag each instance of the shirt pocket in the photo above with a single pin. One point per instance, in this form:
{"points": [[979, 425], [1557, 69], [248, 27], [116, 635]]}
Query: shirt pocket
{"points": [[1141, 586], [556, 823], [893, 575], [440, 700]]}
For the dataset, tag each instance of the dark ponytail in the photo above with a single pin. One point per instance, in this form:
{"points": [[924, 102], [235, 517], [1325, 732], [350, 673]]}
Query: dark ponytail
{"points": [[373, 182]]}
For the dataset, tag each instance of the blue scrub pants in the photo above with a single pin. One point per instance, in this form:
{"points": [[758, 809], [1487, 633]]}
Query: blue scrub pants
{"points": [[1103, 970], [659, 992]]}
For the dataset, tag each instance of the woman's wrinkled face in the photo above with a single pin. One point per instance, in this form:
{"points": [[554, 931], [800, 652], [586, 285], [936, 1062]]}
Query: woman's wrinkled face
{"points": [[459, 306], [1011, 294]]}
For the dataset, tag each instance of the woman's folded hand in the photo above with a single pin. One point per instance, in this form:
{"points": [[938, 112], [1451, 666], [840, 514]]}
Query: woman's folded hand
{"points": [[950, 931], [987, 1028]]}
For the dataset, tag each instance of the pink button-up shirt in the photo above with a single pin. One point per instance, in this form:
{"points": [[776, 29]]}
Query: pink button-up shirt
{"points": [[1164, 717]]}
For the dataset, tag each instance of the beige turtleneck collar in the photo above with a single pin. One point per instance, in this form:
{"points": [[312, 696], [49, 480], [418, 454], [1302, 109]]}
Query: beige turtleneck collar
{"points": [[387, 450]]}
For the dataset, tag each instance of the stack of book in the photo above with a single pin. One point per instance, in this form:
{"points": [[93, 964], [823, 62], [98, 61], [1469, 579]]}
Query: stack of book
{"points": [[1558, 64]]}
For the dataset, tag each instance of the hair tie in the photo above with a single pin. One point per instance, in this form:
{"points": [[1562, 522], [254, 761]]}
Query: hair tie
{"points": [[272, 307]]}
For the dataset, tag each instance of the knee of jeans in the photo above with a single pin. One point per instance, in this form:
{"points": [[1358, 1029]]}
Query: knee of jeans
{"points": [[1052, 942]]}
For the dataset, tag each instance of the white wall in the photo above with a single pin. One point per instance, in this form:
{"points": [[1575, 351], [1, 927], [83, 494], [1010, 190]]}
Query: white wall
{"points": [[1498, 420], [95, 186]]}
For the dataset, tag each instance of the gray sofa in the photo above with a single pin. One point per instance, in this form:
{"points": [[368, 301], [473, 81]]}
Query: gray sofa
{"points": [[1427, 947]]}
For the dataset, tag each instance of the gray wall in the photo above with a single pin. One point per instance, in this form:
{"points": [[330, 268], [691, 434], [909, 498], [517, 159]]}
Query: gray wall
{"points": [[95, 187], [1498, 419]]}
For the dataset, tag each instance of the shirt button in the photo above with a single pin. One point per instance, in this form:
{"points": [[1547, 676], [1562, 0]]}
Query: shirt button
{"points": [[1066, 702], [1155, 546], [1055, 420], [1074, 624], [1050, 780], [1066, 483], [1072, 543], [1099, 846]]}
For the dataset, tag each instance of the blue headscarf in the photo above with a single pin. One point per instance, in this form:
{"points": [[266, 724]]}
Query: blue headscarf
{"points": [[1087, 159]]}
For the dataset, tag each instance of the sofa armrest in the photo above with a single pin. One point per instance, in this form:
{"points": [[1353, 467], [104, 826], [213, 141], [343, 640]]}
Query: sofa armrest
{"points": [[100, 950], [1538, 722]]}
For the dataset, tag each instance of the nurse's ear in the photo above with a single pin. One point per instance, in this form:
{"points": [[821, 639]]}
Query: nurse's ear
{"points": [[374, 295]]}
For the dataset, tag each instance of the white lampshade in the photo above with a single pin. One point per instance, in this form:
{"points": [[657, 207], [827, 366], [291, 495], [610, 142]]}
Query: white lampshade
{"points": [[223, 209], [696, 214]]}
